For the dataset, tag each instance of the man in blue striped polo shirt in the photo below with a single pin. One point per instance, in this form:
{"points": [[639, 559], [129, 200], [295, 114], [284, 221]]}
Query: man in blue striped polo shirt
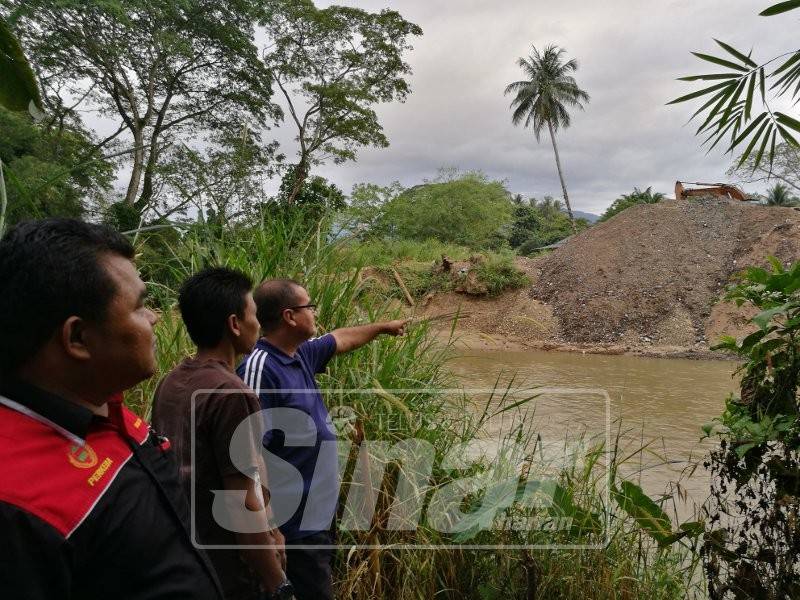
{"points": [[281, 369]]}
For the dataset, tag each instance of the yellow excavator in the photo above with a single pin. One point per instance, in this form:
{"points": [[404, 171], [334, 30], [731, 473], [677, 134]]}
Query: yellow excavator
{"points": [[721, 190]]}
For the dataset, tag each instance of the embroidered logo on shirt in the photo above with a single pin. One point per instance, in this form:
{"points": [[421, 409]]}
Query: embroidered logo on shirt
{"points": [[101, 470], [82, 457]]}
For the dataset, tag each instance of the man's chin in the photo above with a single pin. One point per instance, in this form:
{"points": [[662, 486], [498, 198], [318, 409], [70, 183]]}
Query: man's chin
{"points": [[143, 375]]}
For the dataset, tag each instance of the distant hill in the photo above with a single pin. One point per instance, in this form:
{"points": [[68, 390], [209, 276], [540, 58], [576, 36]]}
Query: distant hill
{"points": [[591, 217]]}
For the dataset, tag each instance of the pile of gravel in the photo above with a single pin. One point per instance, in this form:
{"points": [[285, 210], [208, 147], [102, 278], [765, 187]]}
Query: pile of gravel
{"points": [[652, 273]]}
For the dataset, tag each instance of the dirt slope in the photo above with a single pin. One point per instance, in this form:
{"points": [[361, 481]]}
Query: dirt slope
{"points": [[653, 273]]}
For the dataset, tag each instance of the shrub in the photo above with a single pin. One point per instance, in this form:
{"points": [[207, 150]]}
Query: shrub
{"points": [[469, 211], [498, 273], [754, 538]]}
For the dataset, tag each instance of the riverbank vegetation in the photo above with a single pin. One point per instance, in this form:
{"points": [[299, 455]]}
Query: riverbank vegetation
{"points": [[603, 511], [753, 543]]}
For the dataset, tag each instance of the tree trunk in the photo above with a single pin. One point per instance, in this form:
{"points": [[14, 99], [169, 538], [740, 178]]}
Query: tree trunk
{"points": [[3, 201], [136, 171], [300, 174], [149, 172], [561, 177]]}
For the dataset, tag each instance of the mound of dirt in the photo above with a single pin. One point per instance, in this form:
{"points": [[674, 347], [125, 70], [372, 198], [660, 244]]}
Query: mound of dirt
{"points": [[653, 274]]}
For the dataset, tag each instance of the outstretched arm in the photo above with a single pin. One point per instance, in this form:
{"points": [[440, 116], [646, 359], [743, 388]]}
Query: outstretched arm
{"points": [[350, 338]]}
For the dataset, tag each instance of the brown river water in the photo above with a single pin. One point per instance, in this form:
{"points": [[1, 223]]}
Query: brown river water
{"points": [[653, 402]]}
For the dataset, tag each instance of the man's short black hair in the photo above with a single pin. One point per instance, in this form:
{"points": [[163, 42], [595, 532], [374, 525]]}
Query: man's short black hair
{"points": [[49, 271], [272, 297], [208, 298]]}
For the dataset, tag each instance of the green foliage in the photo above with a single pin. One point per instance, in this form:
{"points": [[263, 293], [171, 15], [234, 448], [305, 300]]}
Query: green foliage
{"points": [[755, 485], [469, 210], [332, 66], [367, 204], [542, 99], [316, 194], [498, 273], [18, 88], [771, 373], [419, 278], [123, 216], [627, 200], [49, 171], [729, 111], [540, 223], [780, 195], [780, 7], [166, 72], [416, 364], [651, 518], [224, 180]]}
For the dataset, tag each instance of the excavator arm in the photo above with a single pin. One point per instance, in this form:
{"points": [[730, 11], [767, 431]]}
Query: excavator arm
{"points": [[722, 190]]}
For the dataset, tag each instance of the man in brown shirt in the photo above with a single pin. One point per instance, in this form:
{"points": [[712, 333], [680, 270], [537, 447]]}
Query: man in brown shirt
{"points": [[218, 310]]}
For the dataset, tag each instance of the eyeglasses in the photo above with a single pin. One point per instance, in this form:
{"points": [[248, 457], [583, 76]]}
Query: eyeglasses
{"points": [[311, 307]]}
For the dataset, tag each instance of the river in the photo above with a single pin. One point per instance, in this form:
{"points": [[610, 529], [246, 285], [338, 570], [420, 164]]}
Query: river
{"points": [[660, 403]]}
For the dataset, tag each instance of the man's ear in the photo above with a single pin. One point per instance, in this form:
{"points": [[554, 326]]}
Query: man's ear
{"points": [[288, 317], [73, 338], [233, 325]]}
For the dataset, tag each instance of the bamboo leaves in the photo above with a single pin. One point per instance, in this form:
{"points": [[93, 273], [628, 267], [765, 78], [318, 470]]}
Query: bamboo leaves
{"points": [[729, 113], [779, 8]]}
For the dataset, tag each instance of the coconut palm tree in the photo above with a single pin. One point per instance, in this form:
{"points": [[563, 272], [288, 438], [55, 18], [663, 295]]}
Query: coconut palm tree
{"points": [[780, 195], [542, 99]]}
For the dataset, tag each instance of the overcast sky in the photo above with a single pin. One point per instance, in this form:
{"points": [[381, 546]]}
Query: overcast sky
{"points": [[629, 53]]}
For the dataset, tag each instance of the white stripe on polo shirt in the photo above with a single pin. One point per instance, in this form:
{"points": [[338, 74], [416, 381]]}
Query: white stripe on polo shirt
{"points": [[253, 367], [259, 375]]}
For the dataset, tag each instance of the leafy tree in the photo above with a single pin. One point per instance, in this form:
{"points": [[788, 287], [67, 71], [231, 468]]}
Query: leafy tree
{"points": [[729, 111], [627, 200], [780, 195], [51, 170], [164, 70], [222, 180], [542, 99], [785, 168], [527, 222], [540, 223], [470, 211], [367, 205], [332, 66], [316, 195]]}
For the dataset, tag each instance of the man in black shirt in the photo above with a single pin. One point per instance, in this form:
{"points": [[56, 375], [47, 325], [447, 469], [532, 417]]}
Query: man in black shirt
{"points": [[90, 504]]}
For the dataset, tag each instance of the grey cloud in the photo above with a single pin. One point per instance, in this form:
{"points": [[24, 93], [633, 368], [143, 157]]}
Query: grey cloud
{"points": [[630, 53]]}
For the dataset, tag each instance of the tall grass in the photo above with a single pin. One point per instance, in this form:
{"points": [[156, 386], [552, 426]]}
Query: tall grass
{"points": [[629, 567]]}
